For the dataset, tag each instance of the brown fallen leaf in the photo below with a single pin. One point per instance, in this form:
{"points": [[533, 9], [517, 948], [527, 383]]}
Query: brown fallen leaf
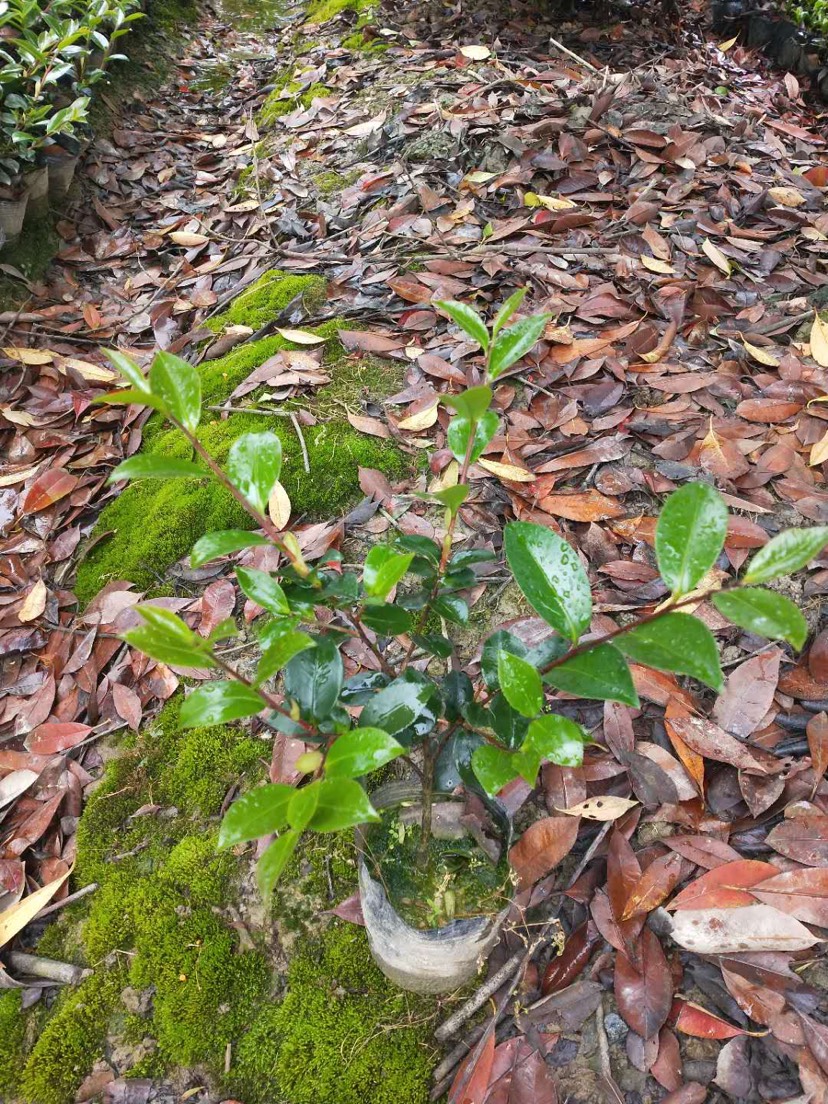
{"points": [[750, 928]]}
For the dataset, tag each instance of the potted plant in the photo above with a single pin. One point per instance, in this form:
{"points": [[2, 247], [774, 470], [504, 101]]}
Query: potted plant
{"points": [[13, 196], [433, 873]]}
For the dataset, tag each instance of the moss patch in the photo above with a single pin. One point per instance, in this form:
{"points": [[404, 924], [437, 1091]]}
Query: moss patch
{"points": [[12, 1034], [286, 97], [342, 1034], [321, 11], [268, 296]]}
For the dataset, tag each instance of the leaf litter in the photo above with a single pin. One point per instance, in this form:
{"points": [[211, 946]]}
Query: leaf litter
{"points": [[678, 242]]}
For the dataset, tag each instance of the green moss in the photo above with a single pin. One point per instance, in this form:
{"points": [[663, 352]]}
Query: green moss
{"points": [[342, 1033], [12, 1034], [329, 182], [321, 11], [360, 41], [72, 1039], [268, 296], [286, 97]]}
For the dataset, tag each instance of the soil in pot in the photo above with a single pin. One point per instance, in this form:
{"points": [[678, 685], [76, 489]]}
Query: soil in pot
{"points": [[12, 214], [460, 880], [62, 167]]}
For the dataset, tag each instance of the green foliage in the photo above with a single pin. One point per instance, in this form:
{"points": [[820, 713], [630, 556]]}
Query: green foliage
{"points": [[340, 1031], [286, 97], [12, 1035], [266, 298]]}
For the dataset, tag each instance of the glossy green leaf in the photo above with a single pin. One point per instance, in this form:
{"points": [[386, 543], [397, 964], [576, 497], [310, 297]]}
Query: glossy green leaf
{"points": [[420, 546], [499, 641], [493, 768], [452, 608], [676, 642], [261, 588], [219, 702], [130, 396], [690, 534], [467, 319], [763, 612], [129, 370], [279, 643], [601, 673], [256, 814], [178, 385], [388, 620], [451, 497], [359, 751], [166, 638], [549, 573], [407, 707], [460, 433], [254, 465], [147, 466], [434, 644], [303, 804], [314, 678], [507, 310], [383, 569], [222, 543], [520, 683], [509, 726], [787, 552], [515, 342], [557, 739], [273, 862], [342, 804], [453, 765], [471, 403]]}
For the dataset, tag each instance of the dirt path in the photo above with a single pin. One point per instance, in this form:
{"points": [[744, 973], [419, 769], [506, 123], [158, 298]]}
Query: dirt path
{"points": [[666, 204]]}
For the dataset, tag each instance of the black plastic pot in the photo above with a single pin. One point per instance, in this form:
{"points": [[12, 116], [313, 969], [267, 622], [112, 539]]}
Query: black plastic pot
{"points": [[437, 960]]}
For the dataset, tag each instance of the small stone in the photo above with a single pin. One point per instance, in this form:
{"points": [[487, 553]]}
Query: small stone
{"points": [[136, 1001], [615, 1027]]}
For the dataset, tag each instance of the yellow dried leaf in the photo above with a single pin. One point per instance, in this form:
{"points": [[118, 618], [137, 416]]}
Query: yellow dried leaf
{"points": [[447, 477], [478, 177], [93, 372], [728, 44], [787, 197], [551, 203], [278, 506], [760, 355], [423, 419], [714, 254], [17, 417], [10, 479], [34, 603], [244, 206], [655, 265], [601, 808], [301, 337], [476, 53], [29, 356], [819, 452], [819, 341], [812, 234], [188, 239], [508, 471], [15, 919], [561, 335]]}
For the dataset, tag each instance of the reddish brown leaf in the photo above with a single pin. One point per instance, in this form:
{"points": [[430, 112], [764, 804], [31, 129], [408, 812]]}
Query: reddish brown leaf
{"points": [[644, 997], [706, 851], [667, 1067], [692, 1019], [771, 411], [691, 1093], [818, 657], [49, 487], [816, 1037], [472, 1080], [724, 887], [128, 705], [748, 694], [587, 506], [564, 969], [217, 604], [760, 1003], [817, 732], [542, 846], [801, 893], [656, 883], [803, 838], [55, 736], [711, 741]]}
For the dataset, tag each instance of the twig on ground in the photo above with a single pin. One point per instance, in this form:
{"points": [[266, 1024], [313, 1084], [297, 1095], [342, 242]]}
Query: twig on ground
{"points": [[63, 973], [302, 445]]}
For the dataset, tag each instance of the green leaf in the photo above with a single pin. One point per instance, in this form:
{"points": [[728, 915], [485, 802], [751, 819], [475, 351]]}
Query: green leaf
{"points": [[451, 497], [420, 546], [405, 708], [148, 466], [280, 643], [389, 620], [256, 814], [274, 860], [507, 310], [500, 640], [787, 552], [460, 431], [254, 465], [520, 683], [129, 370], [360, 751], [763, 612], [467, 319], [383, 569], [549, 573], [129, 396], [302, 805], [601, 673], [493, 768], [314, 678], [690, 534], [452, 608], [178, 385], [342, 804], [262, 589], [471, 403], [165, 637], [557, 739], [516, 341], [222, 543], [219, 702], [676, 642], [434, 644]]}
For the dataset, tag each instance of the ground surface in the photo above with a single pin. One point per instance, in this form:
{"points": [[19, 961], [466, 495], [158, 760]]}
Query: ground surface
{"points": [[334, 170]]}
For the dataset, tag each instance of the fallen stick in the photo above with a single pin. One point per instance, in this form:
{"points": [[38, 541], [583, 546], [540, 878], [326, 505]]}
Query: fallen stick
{"points": [[35, 966], [76, 896]]}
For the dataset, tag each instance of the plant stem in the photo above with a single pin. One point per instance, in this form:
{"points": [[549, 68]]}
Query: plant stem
{"points": [[267, 699], [427, 797]]}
